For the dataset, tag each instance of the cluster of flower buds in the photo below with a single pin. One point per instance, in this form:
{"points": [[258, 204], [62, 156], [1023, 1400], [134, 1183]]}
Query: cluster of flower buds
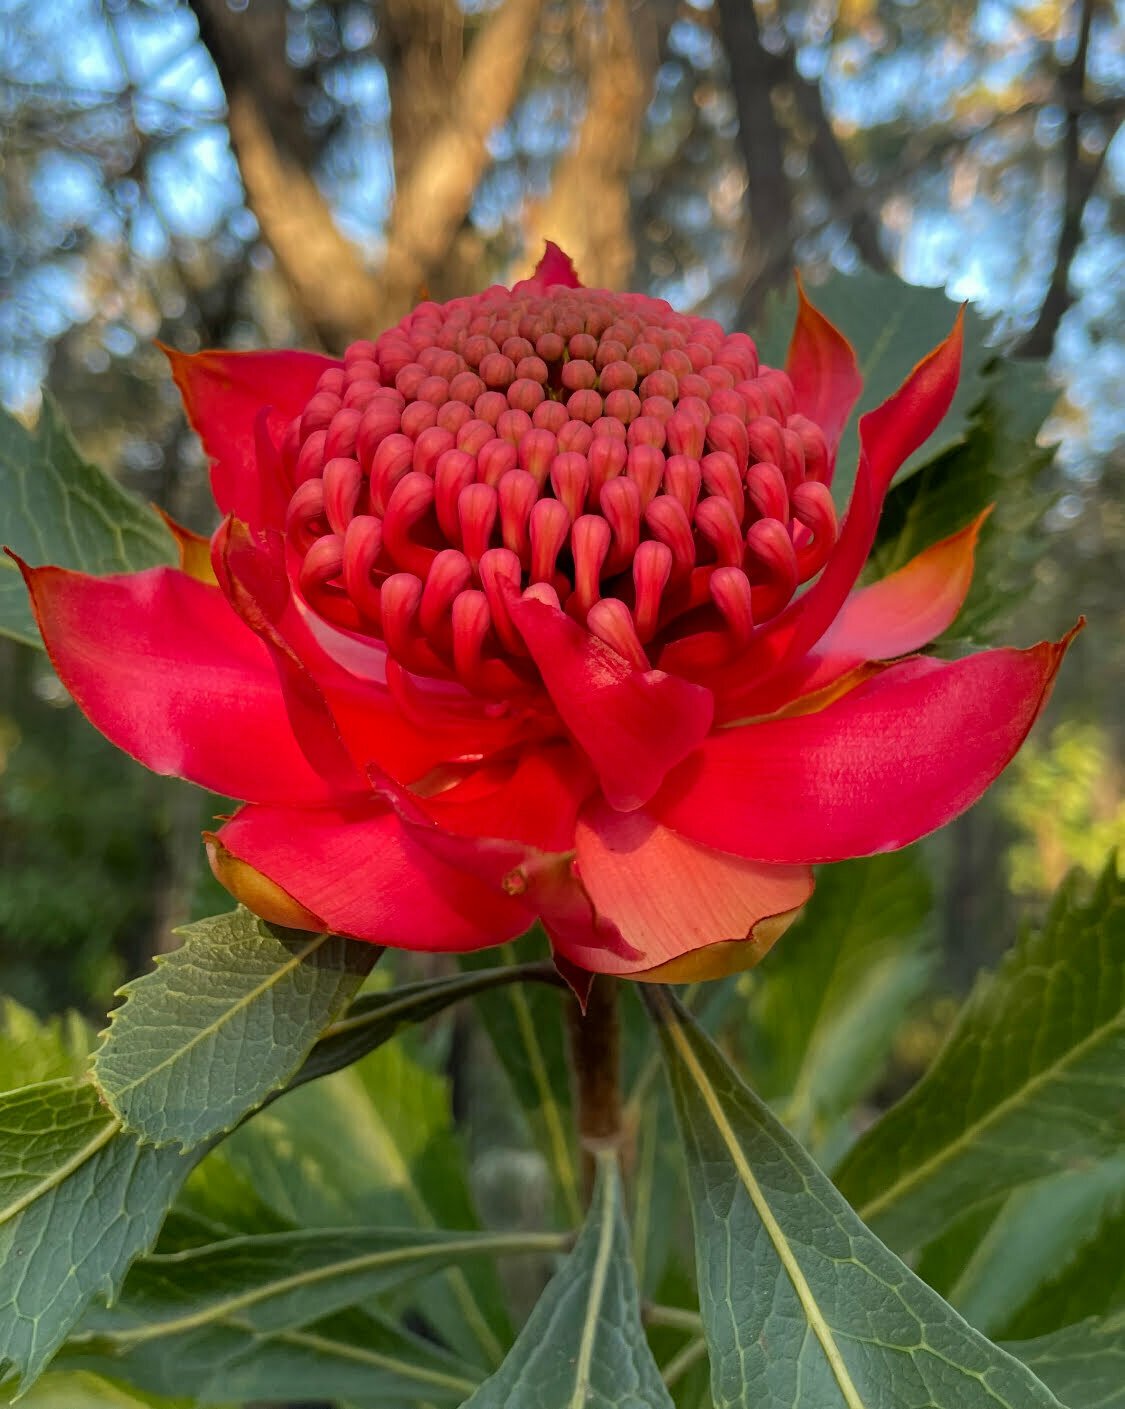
{"points": [[636, 466]]}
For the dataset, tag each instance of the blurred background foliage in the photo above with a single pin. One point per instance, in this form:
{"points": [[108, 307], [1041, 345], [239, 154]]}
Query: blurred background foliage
{"points": [[268, 173]]}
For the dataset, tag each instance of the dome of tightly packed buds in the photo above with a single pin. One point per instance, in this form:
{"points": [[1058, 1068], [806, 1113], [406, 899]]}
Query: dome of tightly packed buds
{"points": [[636, 466]]}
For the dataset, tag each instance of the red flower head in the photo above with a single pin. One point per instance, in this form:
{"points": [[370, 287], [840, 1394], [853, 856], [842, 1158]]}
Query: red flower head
{"points": [[505, 622]]}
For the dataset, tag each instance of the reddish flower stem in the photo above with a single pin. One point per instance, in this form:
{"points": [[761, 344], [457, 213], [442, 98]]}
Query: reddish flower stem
{"points": [[595, 1049]]}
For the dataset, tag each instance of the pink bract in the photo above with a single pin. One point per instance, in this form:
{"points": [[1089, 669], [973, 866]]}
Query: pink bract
{"points": [[505, 622]]}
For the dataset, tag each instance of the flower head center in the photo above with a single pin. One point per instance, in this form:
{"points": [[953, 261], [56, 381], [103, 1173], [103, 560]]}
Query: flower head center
{"points": [[633, 464]]}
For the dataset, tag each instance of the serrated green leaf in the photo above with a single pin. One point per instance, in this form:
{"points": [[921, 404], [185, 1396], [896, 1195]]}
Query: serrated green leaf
{"points": [[999, 463], [280, 1280], [583, 1346], [79, 1200], [221, 1023], [1083, 1364], [375, 1018], [57, 508], [355, 1356], [827, 1006], [801, 1304], [892, 325], [1029, 1083], [34, 1049], [527, 1031]]}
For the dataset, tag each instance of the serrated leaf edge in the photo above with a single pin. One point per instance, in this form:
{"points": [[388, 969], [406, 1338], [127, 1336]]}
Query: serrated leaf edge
{"points": [[112, 1098]]}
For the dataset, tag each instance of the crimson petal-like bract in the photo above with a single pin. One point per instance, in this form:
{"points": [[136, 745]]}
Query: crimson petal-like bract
{"points": [[231, 398], [161, 665], [362, 873], [888, 762]]}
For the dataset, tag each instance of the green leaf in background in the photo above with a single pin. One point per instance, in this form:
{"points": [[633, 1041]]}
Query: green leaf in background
{"points": [[1002, 1259], [1029, 1083], [527, 1029], [57, 508], [281, 1280], [220, 1023], [583, 1346], [372, 1146], [1083, 1364], [33, 1049], [656, 1189], [999, 463], [892, 325], [1089, 1282], [79, 1389], [353, 1356], [826, 1008], [79, 1200], [375, 1018], [801, 1304]]}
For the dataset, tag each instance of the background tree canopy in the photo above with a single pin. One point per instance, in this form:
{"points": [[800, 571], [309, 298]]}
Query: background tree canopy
{"points": [[269, 173]]}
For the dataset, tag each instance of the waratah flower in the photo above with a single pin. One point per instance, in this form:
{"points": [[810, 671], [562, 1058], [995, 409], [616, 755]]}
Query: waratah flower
{"points": [[505, 621]]}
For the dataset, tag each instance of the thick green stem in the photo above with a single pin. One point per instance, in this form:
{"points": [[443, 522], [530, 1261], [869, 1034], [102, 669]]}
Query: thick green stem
{"points": [[595, 1046]]}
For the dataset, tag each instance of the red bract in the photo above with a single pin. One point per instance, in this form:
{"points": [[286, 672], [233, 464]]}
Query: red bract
{"points": [[505, 622]]}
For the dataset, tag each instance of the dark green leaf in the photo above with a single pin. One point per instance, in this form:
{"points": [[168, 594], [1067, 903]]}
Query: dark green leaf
{"points": [[1018, 1248], [829, 1002], [354, 1356], [1029, 1083], [370, 1146], [892, 325], [79, 1200], [801, 1304], [280, 1280], [220, 1023], [376, 1017], [526, 1028], [1083, 1364], [583, 1346], [656, 1190], [1000, 463], [1090, 1282], [57, 508]]}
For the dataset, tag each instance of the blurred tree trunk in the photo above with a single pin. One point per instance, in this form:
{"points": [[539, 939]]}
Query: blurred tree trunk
{"points": [[769, 202], [332, 290], [1081, 171], [422, 45], [831, 162], [446, 110], [588, 209], [762, 83], [437, 190]]}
